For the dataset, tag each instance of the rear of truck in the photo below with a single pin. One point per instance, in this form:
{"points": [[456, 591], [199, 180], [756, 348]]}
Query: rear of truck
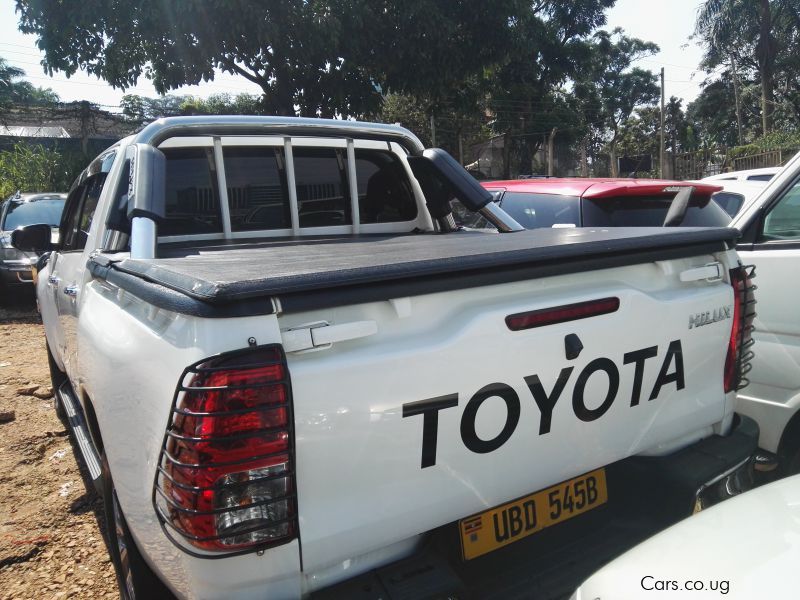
{"points": [[288, 452], [405, 410]]}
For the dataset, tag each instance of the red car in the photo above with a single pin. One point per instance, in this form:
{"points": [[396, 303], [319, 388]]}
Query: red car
{"points": [[579, 202]]}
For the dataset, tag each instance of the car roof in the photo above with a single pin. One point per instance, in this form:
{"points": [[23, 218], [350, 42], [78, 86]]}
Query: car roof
{"points": [[597, 187], [742, 175]]}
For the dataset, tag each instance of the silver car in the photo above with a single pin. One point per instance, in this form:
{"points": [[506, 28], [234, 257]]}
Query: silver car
{"points": [[16, 211]]}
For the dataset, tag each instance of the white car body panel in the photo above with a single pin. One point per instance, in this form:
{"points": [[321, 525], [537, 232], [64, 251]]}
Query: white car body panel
{"points": [[773, 396], [748, 546]]}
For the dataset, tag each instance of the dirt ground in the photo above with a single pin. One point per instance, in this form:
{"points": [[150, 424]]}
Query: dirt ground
{"points": [[51, 545]]}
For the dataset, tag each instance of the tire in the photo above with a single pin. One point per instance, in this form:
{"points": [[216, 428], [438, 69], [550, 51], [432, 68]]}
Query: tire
{"points": [[135, 579], [57, 377]]}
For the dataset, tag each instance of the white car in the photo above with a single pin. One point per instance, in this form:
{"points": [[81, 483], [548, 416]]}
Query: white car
{"points": [[770, 226], [746, 548], [763, 175], [736, 194]]}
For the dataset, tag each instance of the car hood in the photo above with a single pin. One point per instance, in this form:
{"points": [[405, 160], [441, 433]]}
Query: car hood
{"points": [[752, 542]]}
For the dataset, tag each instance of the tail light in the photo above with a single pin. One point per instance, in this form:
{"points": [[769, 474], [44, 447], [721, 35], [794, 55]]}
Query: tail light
{"points": [[225, 480], [737, 361]]}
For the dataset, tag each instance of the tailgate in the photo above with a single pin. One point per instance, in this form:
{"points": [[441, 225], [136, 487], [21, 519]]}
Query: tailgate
{"points": [[446, 411]]}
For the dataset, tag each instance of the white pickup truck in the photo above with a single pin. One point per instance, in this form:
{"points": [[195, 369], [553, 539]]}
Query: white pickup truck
{"points": [[289, 373]]}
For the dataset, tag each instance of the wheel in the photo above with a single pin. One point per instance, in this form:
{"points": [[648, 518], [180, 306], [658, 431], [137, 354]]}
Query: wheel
{"points": [[57, 377], [134, 577]]}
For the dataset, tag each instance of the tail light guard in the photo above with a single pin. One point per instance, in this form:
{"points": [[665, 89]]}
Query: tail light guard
{"points": [[225, 479]]}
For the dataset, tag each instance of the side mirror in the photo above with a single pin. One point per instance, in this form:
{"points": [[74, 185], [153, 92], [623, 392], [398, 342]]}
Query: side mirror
{"points": [[32, 238]]}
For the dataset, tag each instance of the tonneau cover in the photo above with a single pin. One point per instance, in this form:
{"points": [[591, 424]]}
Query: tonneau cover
{"points": [[218, 273]]}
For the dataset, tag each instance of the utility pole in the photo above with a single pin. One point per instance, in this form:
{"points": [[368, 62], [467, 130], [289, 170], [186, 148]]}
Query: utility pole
{"points": [[736, 99], [661, 137], [433, 132], [551, 153]]}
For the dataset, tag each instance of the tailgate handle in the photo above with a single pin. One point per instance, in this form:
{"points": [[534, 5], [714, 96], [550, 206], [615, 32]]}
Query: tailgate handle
{"points": [[710, 272], [321, 335]]}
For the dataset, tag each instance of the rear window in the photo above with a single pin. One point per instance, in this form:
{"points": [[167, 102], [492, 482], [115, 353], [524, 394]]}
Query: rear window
{"points": [[649, 211], [192, 202], [257, 193], [32, 213], [259, 199], [534, 211]]}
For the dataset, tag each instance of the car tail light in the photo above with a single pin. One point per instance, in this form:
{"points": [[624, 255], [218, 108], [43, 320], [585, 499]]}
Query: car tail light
{"points": [[225, 480], [561, 314], [737, 361]]}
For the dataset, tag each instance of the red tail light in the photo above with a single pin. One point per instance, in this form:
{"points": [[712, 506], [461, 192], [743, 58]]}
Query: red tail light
{"points": [[226, 475], [737, 361], [561, 314]]}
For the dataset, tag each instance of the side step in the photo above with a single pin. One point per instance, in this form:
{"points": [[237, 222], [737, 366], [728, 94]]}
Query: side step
{"points": [[77, 424]]}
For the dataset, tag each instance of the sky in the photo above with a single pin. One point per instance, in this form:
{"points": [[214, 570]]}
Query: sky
{"points": [[668, 23]]}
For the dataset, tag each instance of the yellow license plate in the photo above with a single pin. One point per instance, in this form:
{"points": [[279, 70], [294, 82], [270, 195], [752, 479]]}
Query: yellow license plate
{"points": [[520, 518]]}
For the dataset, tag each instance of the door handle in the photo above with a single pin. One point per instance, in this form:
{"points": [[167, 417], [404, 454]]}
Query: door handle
{"points": [[71, 291], [53, 280]]}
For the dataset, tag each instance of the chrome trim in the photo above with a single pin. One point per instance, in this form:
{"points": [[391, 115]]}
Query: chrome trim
{"points": [[222, 187], [355, 213], [158, 131], [294, 211], [143, 238], [500, 218]]}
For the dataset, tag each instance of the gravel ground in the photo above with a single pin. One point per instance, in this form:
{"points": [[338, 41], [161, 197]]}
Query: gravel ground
{"points": [[51, 544]]}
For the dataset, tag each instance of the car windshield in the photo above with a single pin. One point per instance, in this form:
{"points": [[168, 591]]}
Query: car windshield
{"points": [[533, 211], [649, 211], [32, 212]]}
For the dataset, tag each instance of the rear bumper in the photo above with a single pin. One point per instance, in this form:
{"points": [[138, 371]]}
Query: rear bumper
{"points": [[646, 495]]}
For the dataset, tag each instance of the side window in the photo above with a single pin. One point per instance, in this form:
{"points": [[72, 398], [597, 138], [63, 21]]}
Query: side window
{"points": [[192, 199], [783, 220], [68, 230], [730, 202], [79, 213], [323, 199]]}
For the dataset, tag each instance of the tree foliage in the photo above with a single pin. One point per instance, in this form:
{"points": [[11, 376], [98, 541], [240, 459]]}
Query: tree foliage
{"points": [[318, 57], [37, 169], [15, 90]]}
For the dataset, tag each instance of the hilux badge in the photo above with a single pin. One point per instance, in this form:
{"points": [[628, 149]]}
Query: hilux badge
{"points": [[710, 316]]}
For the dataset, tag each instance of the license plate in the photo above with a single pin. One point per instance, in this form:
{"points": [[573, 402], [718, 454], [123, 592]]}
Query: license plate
{"points": [[515, 520]]}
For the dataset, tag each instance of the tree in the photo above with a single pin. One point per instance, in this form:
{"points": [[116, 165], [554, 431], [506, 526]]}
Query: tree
{"points": [[13, 91], [756, 33], [713, 112], [37, 169], [319, 57], [613, 88], [548, 43]]}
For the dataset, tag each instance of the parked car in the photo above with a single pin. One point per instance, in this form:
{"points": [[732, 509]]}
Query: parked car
{"points": [[770, 226], [736, 194], [753, 175], [18, 211], [378, 403], [745, 549], [581, 202]]}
